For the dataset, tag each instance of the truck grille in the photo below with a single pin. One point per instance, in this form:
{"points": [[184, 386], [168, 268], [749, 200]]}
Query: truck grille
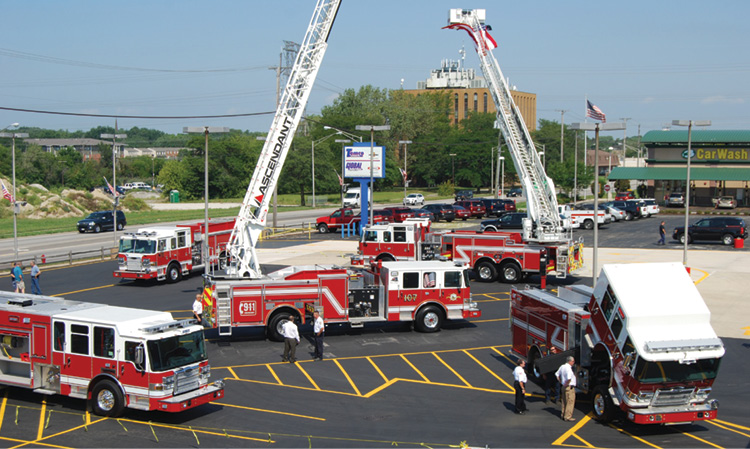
{"points": [[134, 263], [186, 380], [675, 396]]}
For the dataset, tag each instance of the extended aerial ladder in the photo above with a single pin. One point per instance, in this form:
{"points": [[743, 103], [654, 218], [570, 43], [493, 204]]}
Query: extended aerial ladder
{"points": [[544, 223], [254, 211]]}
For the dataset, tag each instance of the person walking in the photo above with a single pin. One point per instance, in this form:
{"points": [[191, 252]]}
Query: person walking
{"points": [[567, 379], [318, 333], [198, 308], [291, 340], [662, 234], [519, 384], [18, 278], [35, 272]]}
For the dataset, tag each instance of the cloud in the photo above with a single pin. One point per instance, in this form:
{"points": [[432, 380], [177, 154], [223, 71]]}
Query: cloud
{"points": [[722, 99]]}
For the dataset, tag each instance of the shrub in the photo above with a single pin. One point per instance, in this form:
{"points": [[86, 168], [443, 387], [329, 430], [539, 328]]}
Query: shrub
{"points": [[132, 203], [446, 189]]}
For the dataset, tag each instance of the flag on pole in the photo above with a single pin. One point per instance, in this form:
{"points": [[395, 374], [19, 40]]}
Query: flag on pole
{"points": [[111, 189], [403, 173], [6, 193], [484, 40], [594, 112], [341, 180]]}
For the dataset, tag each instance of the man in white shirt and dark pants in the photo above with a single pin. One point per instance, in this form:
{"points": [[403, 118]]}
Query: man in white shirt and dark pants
{"points": [[519, 383], [291, 340], [567, 379], [318, 333]]}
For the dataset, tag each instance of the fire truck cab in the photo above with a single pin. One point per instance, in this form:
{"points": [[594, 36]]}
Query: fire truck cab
{"points": [[399, 241], [116, 357], [642, 340]]}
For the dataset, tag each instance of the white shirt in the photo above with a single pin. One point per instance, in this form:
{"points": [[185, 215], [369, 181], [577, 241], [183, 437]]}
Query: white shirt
{"points": [[197, 307], [565, 374], [318, 325], [519, 375], [289, 330]]}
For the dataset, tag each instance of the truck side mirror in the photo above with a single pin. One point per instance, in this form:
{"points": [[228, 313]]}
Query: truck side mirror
{"points": [[139, 357]]}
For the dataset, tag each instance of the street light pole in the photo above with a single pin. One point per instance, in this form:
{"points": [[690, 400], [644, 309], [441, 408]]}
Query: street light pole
{"points": [[13, 165], [341, 186], [205, 130], [453, 167], [406, 148], [502, 185], [115, 197], [689, 124]]}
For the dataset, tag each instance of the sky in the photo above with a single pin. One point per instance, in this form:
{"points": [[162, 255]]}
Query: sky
{"points": [[649, 61]]}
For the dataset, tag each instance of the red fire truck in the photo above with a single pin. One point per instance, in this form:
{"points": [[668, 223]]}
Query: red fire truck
{"points": [[493, 255], [426, 293], [169, 252], [116, 357], [642, 341]]}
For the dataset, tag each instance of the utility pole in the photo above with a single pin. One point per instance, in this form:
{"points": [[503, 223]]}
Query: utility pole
{"points": [[624, 137], [562, 131], [115, 196]]}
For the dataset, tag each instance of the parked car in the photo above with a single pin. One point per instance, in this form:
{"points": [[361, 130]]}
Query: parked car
{"points": [[624, 196], [400, 213], [423, 213], [136, 185], [676, 199], [102, 221], [461, 212], [498, 207], [382, 216], [515, 191], [726, 202], [441, 212], [615, 213], [476, 207], [723, 229], [512, 220], [413, 199], [106, 190], [464, 195], [632, 209]]}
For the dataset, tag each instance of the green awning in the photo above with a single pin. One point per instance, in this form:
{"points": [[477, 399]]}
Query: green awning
{"points": [[679, 173]]}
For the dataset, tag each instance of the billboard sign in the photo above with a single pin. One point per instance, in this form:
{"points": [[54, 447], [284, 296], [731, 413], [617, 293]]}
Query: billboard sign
{"points": [[357, 162]]}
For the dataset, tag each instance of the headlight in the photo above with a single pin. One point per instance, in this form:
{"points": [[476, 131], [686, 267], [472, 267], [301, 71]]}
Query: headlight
{"points": [[145, 262], [166, 385]]}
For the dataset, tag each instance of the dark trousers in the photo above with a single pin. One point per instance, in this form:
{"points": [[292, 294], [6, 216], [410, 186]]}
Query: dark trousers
{"points": [[35, 286], [318, 340], [662, 238], [290, 349], [520, 400]]}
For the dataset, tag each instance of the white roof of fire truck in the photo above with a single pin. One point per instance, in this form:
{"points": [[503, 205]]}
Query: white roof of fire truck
{"points": [[155, 232], [664, 313], [422, 265]]}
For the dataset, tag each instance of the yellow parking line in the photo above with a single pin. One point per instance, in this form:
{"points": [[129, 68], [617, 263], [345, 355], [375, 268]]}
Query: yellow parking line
{"points": [[452, 370], [700, 439], [273, 373], [40, 431], [233, 373], [633, 436], [85, 290], [489, 371], [270, 411], [492, 299], [415, 368], [2, 407], [726, 423], [299, 365], [702, 278], [729, 429], [351, 382], [571, 431], [377, 369], [488, 321], [577, 437]]}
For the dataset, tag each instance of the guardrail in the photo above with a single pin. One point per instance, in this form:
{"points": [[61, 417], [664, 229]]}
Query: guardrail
{"points": [[103, 253]]}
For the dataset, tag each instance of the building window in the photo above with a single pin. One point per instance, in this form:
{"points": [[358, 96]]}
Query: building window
{"points": [[485, 102], [476, 103], [455, 107], [466, 105]]}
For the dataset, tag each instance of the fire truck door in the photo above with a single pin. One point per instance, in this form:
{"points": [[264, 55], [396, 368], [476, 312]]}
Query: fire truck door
{"points": [[77, 361], [40, 344], [451, 291], [103, 351], [410, 294]]}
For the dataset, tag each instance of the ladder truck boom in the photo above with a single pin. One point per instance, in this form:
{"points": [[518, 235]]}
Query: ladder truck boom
{"points": [[253, 213], [544, 223]]}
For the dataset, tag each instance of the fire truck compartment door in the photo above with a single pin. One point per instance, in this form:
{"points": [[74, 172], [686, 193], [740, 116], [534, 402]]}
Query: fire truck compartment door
{"points": [[552, 362], [40, 344], [248, 308]]}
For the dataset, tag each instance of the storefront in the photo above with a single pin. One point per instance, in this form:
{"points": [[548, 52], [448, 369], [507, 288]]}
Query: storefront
{"points": [[719, 166]]}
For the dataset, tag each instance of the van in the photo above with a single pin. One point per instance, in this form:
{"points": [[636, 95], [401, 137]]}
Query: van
{"points": [[352, 197]]}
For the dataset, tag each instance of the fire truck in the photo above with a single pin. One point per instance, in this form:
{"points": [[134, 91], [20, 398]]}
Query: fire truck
{"points": [[493, 255], [116, 357], [427, 293], [171, 252], [642, 340]]}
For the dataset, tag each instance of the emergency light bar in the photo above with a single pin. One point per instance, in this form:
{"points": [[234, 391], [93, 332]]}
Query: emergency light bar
{"points": [[167, 326], [705, 344]]}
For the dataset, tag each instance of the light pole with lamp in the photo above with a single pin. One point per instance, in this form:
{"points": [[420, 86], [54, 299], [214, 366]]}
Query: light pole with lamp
{"points": [[372, 129], [205, 130], [689, 124], [405, 143], [596, 127], [115, 195], [13, 164], [502, 183], [341, 181]]}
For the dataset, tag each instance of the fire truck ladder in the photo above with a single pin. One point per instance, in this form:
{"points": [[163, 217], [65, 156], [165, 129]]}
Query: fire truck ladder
{"points": [[254, 211], [223, 310], [540, 190]]}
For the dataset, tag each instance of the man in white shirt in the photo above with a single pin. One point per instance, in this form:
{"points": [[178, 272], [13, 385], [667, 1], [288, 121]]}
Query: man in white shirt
{"points": [[291, 340], [567, 379], [318, 333], [198, 308], [519, 383]]}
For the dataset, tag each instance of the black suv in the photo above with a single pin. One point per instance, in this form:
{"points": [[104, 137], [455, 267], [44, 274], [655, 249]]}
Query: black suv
{"points": [[464, 195], [508, 221], [515, 191], [498, 207], [723, 229], [632, 209], [441, 212], [102, 221]]}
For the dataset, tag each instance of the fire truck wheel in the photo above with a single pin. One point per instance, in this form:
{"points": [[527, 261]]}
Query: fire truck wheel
{"points": [[323, 228], [386, 258], [588, 225], [510, 272], [602, 405], [486, 271], [429, 319], [273, 328], [173, 272], [107, 399]]}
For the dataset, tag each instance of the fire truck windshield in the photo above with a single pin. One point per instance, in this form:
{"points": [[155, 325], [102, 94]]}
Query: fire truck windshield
{"points": [[174, 352], [137, 246], [672, 371]]}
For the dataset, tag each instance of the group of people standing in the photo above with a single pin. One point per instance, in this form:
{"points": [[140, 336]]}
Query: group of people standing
{"points": [[564, 377], [291, 338], [19, 286]]}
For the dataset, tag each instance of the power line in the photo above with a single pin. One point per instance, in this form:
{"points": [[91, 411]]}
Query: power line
{"points": [[151, 117]]}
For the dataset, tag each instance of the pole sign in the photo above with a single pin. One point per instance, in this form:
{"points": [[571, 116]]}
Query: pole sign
{"points": [[357, 161]]}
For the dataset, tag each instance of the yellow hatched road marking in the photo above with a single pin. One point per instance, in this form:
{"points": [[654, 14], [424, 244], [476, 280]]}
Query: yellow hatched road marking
{"points": [[702, 278], [633, 436], [2, 407], [572, 430], [299, 365], [452, 370], [58, 434], [351, 382], [415, 368], [508, 359], [233, 373], [577, 437], [700, 439], [488, 321], [385, 379], [490, 371], [273, 373], [726, 423], [24, 443], [492, 299], [40, 431], [275, 412], [262, 382], [195, 430]]}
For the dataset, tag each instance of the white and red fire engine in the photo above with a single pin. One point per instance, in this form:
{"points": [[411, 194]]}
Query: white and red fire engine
{"points": [[493, 255], [642, 340], [116, 357], [169, 252], [426, 293]]}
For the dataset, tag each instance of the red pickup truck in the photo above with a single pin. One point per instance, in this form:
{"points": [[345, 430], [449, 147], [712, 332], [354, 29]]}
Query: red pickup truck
{"points": [[400, 213], [340, 217]]}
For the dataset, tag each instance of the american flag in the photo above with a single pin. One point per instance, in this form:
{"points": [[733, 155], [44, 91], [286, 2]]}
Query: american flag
{"points": [[341, 180], [487, 41], [6, 193], [111, 189], [403, 173], [594, 112]]}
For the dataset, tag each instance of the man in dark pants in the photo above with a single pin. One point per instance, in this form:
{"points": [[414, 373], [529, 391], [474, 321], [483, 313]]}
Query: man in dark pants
{"points": [[519, 384], [662, 234], [318, 333], [291, 340]]}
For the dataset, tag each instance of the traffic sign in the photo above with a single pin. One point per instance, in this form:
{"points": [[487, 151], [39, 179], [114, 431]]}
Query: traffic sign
{"points": [[606, 187]]}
